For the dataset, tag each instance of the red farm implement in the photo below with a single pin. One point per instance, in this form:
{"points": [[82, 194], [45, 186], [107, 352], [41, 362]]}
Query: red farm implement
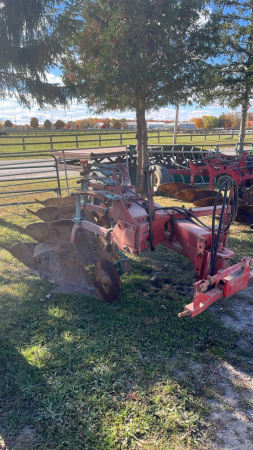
{"points": [[111, 221]]}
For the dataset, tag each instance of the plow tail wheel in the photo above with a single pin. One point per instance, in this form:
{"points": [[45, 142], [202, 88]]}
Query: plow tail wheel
{"points": [[159, 176]]}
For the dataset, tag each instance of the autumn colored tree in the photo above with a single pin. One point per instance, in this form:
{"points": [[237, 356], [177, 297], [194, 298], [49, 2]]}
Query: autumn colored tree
{"points": [[117, 125], [47, 124], [199, 123], [106, 123], [139, 55], [34, 123], [59, 124]]}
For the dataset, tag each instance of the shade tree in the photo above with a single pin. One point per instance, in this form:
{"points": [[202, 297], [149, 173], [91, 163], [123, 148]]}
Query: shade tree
{"points": [[139, 55]]}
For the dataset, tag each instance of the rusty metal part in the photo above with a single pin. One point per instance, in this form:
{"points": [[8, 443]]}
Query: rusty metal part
{"points": [[58, 230], [83, 247], [106, 250], [56, 262], [248, 196], [106, 281], [207, 202], [103, 205], [62, 246], [88, 215], [191, 195], [58, 201], [51, 213], [60, 267], [66, 212], [103, 221], [23, 252], [173, 188], [245, 214], [47, 214]]}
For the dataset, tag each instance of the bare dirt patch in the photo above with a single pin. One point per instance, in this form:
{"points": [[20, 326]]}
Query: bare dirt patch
{"points": [[232, 408]]}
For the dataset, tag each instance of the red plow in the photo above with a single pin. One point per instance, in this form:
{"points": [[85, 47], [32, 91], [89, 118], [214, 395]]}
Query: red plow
{"points": [[106, 221]]}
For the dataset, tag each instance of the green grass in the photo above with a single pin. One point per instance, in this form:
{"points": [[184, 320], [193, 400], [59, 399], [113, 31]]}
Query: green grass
{"points": [[42, 143], [89, 375]]}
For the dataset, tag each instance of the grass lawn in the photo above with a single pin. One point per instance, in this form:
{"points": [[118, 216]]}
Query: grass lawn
{"points": [[77, 373]]}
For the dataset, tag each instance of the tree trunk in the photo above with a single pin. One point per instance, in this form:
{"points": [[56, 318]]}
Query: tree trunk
{"points": [[142, 151], [243, 123]]}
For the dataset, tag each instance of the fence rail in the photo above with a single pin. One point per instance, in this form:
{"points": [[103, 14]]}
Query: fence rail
{"points": [[76, 140]]}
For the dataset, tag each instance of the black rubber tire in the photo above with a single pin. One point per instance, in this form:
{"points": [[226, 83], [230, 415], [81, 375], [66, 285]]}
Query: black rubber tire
{"points": [[159, 176]]}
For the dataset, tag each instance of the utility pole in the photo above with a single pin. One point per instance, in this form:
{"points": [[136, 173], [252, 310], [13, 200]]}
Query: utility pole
{"points": [[175, 126]]}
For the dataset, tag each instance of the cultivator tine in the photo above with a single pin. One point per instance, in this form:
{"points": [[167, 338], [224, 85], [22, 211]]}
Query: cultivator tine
{"points": [[106, 281], [191, 195], [47, 214], [58, 230], [23, 252], [83, 247], [173, 188], [106, 250]]}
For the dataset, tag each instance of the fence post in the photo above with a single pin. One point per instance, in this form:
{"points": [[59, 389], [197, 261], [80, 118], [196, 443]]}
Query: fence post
{"points": [[205, 135], [51, 142], [120, 138], [191, 135], [65, 169], [23, 139], [76, 141], [99, 138], [158, 136]]}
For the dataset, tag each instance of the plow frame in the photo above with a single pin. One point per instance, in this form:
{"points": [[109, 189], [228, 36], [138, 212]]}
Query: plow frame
{"points": [[130, 232]]}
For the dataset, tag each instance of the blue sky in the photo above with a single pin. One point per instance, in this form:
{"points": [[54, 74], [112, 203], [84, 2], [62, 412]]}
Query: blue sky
{"points": [[12, 110]]}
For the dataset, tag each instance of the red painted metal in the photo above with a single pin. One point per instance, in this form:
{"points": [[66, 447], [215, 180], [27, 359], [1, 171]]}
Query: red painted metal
{"points": [[130, 231], [214, 167]]}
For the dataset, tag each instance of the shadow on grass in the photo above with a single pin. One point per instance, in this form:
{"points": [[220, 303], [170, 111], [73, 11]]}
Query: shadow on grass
{"points": [[86, 374]]}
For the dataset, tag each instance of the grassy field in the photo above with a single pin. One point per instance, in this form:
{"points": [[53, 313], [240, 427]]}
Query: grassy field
{"points": [[42, 143], [77, 373]]}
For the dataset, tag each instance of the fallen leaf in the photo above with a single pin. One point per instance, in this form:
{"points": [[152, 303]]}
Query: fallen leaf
{"points": [[133, 396], [153, 278]]}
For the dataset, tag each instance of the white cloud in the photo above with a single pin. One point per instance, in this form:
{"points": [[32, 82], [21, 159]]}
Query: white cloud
{"points": [[12, 110]]}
